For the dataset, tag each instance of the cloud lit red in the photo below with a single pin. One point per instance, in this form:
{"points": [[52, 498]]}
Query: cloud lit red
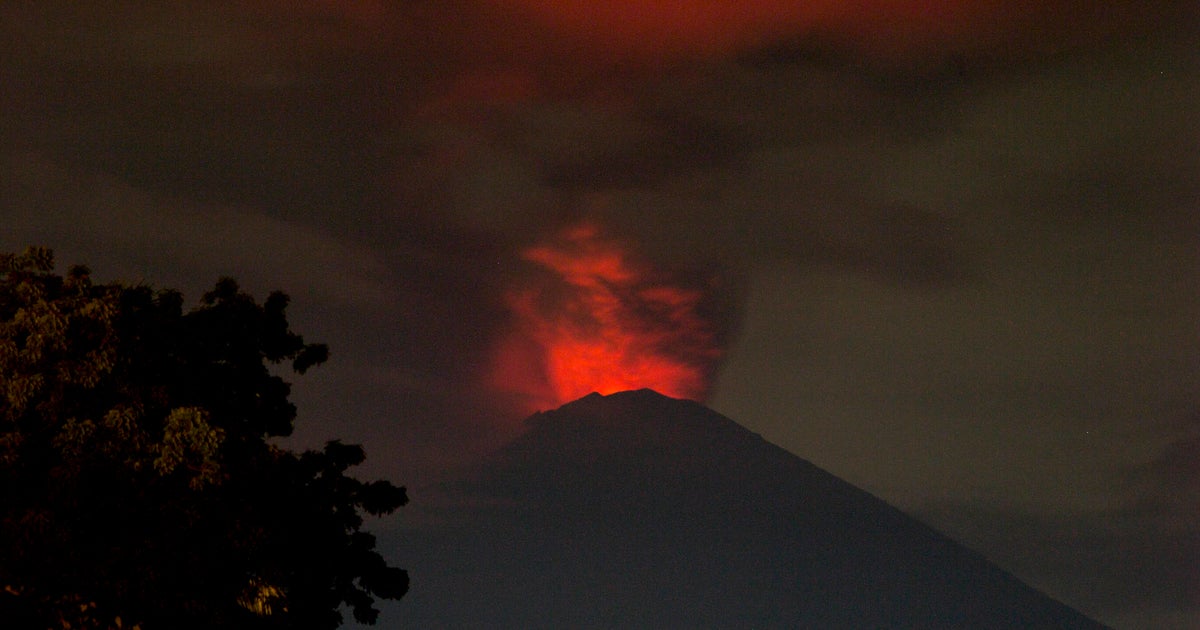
{"points": [[595, 319], [669, 28]]}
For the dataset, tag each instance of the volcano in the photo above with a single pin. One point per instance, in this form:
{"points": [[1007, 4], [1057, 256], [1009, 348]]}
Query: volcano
{"points": [[635, 510]]}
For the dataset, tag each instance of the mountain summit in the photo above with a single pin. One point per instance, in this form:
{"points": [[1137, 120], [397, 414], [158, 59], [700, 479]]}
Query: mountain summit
{"points": [[638, 510]]}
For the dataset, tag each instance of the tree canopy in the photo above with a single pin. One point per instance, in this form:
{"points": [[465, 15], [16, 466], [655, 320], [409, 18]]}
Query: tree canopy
{"points": [[139, 485]]}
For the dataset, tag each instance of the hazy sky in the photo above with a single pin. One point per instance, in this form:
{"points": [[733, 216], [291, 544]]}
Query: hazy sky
{"points": [[947, 251]]}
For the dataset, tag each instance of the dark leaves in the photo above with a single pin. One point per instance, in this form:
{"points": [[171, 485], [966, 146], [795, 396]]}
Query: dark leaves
{"points": [[339, 456], [225, 290], [310, 355], [380, 497], [387, 582], [135, 472]]}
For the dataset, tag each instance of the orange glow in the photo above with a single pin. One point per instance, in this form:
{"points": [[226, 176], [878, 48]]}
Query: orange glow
{"points": [[597, 321]]}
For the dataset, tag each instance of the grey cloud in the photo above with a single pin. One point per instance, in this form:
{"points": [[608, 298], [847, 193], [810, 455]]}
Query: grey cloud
{"points": [[1169, 484], [1130, 563], [191, 131], [663, 144], [134, 235], [1113, 565]]}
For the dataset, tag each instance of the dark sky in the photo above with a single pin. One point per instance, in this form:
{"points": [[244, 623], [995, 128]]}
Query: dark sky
{"points": [[946, 251]]}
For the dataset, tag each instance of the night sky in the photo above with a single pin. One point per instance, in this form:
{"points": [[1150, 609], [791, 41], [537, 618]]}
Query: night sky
{"points": [[947, 251]]}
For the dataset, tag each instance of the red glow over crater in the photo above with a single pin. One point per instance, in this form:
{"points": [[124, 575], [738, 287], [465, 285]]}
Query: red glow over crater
{"points": [[658, 28], [595, 320]]}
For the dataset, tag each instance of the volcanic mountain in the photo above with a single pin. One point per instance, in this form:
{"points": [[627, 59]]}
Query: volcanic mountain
{"points": [[637, 510]]}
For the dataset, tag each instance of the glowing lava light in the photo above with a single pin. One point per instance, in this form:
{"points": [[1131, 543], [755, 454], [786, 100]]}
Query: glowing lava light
{"points": [[594, 320]]}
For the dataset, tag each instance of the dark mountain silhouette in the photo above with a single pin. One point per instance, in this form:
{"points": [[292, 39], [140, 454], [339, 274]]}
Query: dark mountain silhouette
{"points": [[638, 510]]}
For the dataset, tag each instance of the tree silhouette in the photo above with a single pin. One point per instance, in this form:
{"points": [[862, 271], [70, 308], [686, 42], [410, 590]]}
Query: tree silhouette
{"points": [[138, 483]]}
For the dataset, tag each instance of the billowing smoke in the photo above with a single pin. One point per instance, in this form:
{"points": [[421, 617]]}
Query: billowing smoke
{"points": [[596, 319]]}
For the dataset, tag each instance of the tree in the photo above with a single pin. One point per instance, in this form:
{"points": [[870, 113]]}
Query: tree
{"points": [[139, 485]]}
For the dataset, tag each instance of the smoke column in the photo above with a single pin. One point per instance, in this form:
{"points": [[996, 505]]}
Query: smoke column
{"points": [[594, 319]]}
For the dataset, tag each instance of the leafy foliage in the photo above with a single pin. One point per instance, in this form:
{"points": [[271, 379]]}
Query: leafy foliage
{"points": [[138, 484]]}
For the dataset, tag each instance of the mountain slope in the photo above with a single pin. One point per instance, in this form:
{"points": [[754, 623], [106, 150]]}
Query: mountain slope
{"points": [[638, 510]]}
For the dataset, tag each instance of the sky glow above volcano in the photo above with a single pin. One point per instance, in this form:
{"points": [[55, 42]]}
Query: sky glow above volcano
{"points": [[945, 250], [597, 320], [665, 30]]}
